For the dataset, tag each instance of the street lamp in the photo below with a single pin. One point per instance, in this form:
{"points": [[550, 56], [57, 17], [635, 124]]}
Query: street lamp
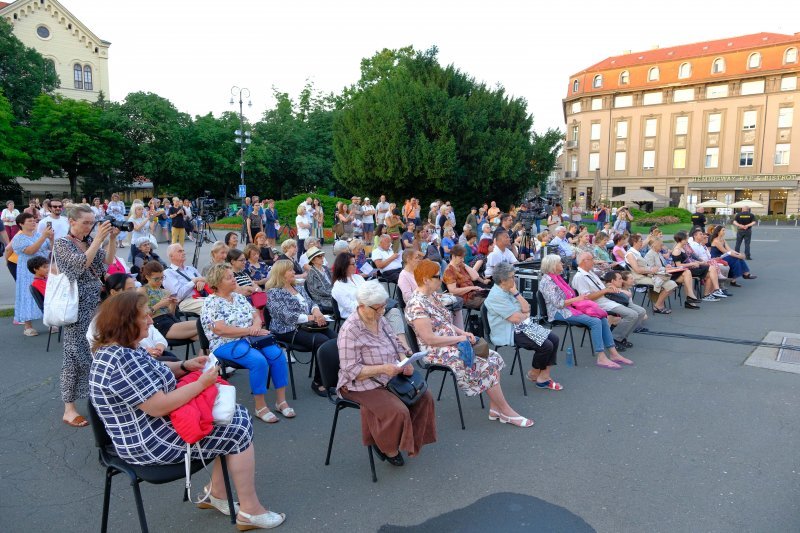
{"points": [[242, 139]]}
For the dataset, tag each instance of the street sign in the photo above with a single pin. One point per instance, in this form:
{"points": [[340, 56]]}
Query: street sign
{"points": [[242, 191]]}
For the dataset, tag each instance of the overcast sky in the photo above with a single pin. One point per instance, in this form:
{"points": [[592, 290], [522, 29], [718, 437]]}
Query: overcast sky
{"points": [[193, 52]]}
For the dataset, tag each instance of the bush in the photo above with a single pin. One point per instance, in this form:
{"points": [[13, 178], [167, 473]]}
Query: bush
{"points": [[682, 215], [660, 221]]}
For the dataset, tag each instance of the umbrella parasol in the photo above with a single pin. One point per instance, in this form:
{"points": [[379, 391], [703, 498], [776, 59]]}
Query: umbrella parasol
{"points": [[639, 196], [746, 203], [682, 202], [712, 204]]}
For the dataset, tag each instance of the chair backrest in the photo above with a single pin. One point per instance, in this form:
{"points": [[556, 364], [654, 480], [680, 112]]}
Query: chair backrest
{"points": [[267, 317], [411, 337], [540, 303], [336, 314], [201, 336], [38, 297], [101, 438], [487, 330], [401, 302], [328, 363]]}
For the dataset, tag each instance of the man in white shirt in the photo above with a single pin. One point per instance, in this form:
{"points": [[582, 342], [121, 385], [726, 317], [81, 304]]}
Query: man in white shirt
{"points": [[588, 284], [387, 261], [560, 240], [59, 223], [381, 209], [368, 218], [698, 242], [502, 251], [181, 280]]}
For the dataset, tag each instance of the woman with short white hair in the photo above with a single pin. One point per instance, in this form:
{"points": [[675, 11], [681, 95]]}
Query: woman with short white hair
{"points": [[368, 357]]}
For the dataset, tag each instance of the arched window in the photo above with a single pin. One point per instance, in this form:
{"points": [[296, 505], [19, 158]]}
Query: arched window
{"points": [[790, 56], [87, 78], [50, 66], [653, 74], [718, 66], [78, 76], [598, 81], [575, 86], [754, 61], [624, 77], [685, 70]]}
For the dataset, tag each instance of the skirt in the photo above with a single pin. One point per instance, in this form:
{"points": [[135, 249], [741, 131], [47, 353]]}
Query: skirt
{"points": [[164, 322]]}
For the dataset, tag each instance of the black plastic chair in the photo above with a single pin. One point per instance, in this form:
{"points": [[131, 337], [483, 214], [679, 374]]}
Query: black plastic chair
{"points": [[487, 330], [38, 297], [337, 316], [413, 343], [205, 346], [289, 348], [328, 361], [556, 323], [155, 474]]}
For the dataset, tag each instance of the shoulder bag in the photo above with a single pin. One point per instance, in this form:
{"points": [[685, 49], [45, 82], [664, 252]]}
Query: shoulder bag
{"points": [[408, 388], [60, 298]]}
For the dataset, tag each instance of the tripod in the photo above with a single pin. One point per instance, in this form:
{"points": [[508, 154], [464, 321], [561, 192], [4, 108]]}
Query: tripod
{"points": [[202, 227]]}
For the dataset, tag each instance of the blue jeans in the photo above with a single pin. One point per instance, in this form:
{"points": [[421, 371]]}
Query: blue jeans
{"points": [[599, 330], [256, 362]]}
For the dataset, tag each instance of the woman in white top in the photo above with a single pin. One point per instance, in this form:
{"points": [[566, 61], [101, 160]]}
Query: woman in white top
{"points": [[10, 214], [346, 282], [116, 208], [303, 230], [97, 209], [141, 226]]}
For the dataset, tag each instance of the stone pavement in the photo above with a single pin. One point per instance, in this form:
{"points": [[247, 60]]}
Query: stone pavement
{"points": [[689, 439]]}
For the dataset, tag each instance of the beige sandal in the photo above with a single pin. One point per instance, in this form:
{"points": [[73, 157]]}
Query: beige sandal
{"points": [[287, 411], [268, 416]]}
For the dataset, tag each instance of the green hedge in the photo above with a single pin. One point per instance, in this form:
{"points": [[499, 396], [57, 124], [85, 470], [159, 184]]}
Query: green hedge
{"points": [[681, 214], [287, 209]]}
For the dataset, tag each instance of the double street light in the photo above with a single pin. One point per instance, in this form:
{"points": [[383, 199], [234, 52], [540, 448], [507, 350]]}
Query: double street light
{"points": [[242, 139]]}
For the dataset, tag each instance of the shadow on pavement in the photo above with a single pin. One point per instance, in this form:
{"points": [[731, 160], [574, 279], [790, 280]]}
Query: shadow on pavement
{"points": [[502, 511]]}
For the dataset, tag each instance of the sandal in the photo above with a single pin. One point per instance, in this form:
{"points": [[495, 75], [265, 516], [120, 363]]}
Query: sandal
{"points": [[30, 332], [318, 389], [207, 501], [287, 411], [662, 311], [77, 422], [495, 415], [268, 417], [267, 520], [549, 385], [519, 421], [735, 284]]}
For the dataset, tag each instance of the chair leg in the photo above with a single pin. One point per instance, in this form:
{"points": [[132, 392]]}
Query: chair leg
{"points": [[458, 400], [572, 343], [139, 506], [514, 362], [186, 355], [480, 397], [291, 372], [228, 491], [59, 334], [333, 432], [49, 334], [311, 366], [583, 337], [372, 464], [521, 373], [106, 501], [441, 387]]}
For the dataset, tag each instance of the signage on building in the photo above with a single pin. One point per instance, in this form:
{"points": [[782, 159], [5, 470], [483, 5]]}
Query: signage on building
{"points": [[755, 177]]}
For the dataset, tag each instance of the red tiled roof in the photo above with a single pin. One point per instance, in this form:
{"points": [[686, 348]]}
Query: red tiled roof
{"points": [[685, 51], [4, 4]]}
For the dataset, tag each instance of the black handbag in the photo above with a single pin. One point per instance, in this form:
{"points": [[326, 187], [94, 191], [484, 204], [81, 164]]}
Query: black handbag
{"points": [[408, 388], [260, 342]]}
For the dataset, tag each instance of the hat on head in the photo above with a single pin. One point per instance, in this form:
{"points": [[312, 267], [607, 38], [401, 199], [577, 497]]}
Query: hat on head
{"points": [[366, 199], [143, 240], [313, 252]]}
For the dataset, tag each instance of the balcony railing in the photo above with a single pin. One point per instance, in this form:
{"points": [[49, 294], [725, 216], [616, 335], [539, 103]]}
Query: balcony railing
{"points": [[572, 144], [571, 174]]}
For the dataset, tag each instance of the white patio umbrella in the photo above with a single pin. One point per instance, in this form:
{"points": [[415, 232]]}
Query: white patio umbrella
{"points": [[682, 202], [713, 204], [745, 203], [639, 196]]}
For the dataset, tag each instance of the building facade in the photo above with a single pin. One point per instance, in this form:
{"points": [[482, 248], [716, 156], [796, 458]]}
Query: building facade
{"points": [[710, 120], [79, 57]]}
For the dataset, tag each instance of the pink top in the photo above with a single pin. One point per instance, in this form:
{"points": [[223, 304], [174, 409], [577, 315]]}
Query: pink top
{"points": [[360, 347], [407, 284], [619, 254]]}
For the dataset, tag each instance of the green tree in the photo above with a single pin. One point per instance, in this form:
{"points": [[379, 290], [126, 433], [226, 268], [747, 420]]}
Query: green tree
{"points": [[411, 127], [217, 157], [68, 140], [13, 157], [24, 73], [546, 148]]}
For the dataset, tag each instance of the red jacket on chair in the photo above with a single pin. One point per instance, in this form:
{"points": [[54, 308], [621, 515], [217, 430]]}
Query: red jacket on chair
{"points": [[194, 420]]}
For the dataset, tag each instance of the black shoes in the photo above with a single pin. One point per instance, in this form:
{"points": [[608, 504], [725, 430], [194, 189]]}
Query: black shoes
{"points": [[690, 305], [397, 460], [619, 346]]}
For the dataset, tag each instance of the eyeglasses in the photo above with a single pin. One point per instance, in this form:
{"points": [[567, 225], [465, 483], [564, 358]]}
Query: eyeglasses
{"points": [[436, 277], [377, 308], [157, 278], [56, 206]]}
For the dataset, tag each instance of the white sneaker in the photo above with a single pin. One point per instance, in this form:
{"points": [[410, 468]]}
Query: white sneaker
{"points": [[710, 298], [719, 294]]}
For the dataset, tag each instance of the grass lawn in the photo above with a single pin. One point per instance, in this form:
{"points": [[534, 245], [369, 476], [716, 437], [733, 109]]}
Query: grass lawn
{"points": [[668, 229]]}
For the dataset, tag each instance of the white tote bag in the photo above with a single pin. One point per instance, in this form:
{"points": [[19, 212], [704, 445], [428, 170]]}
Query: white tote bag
{"points": [[60, 299]]}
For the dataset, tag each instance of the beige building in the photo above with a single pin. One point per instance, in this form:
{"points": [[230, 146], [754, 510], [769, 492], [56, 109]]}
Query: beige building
{"points": [[80, 57], [716, 119]]}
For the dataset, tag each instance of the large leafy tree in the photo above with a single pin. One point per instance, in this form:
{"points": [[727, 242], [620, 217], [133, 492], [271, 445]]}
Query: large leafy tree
{"points": [[68, 140], [13, 157], [546, 148], [411, 127], [24, 73], [217, 157]]}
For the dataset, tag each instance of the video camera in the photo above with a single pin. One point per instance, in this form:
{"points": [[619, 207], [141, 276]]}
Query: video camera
{"points": [[206, 207]]}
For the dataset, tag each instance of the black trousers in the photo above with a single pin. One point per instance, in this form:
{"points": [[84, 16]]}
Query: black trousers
{"points": [[544, 355], [744, 236], [308, 341]]}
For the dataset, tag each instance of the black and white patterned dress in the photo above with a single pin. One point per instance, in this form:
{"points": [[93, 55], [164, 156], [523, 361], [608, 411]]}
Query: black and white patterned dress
{"points": [[71, 261], [123, 378]]}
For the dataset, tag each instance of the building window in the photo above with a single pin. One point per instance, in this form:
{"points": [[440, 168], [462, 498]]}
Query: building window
{"points": [[683, 95], [597, 82], [650, 126], [43, 32], [785, 117], [749, 120], [782, 154], [575, 86], [597, 103], [681, 125], [685, 70], [712, 157], [623, 101], [752, 87], [616, 191], [714, 122], [573, 165], [653, 74], [576, 107], [50, 65], [595, 132], [624, 77], [718, 66], [575, 131], [746, 156], [679, 158], [754, 60], [648, 159], [87, 78], [653, 98], [594, 161], [622, 129], [620, 159], [790, 56], [788, 83], [78, 76], [717, 91]]}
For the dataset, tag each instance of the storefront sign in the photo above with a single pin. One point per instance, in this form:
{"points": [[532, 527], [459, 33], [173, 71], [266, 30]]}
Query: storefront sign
{"points": [[756, 177]]}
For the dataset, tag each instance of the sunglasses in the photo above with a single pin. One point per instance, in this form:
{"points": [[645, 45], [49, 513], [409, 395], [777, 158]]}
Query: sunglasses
{"points": [[56, 206], [157, 278]]}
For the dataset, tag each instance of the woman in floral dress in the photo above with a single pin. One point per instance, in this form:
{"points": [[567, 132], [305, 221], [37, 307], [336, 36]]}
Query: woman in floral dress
{"points": [[436, 333]]}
